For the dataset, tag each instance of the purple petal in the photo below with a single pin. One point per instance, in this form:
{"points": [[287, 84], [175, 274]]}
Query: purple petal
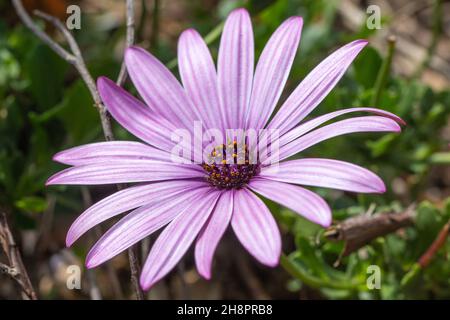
{"points": [[315, 87], [134, 116], [212, 232], [199, 77], [256, 228], [357, 124], [130, 171], [272, 71], [159, 88], [176, 238], [235, 67], [312, 124], [118, 151], [139, 224], [125, 200], [302, 201], [325, 173]]}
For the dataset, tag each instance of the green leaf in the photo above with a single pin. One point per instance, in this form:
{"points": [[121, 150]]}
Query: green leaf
{"points": [[367, 66], [78, 114], [46, 73], [32, 204]]}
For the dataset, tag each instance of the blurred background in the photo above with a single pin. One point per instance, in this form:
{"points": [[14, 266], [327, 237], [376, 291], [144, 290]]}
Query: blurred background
{"points": [[45, 107]]}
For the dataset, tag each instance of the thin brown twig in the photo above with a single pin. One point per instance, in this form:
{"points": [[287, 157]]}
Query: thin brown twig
{"points": [[80, 65], [426, 258], [16, 269], [76, 58], [29, 23]]}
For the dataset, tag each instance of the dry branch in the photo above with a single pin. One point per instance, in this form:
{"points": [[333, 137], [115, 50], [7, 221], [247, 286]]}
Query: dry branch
{"points": [[16, 269], [360, 230]]}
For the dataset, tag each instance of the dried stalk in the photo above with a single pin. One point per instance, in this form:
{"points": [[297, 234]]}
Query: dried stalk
{"points": [[16, 269], [360, 230]]}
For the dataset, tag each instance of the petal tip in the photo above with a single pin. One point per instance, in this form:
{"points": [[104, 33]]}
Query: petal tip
{"points": [[241, 11], [58, 157], [103, 83], [326, 222], [51, 181], [90, 263], [363, 42], [69, 241], [272, 263], [381, 188], [206, 274], [145, 284], [132, 52], [296, 19]]}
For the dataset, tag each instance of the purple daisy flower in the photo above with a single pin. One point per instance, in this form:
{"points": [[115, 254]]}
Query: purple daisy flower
{"points": [[199, 201]]}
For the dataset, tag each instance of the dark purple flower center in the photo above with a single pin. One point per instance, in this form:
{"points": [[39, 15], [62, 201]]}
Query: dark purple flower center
{"points": [[232, 171]]}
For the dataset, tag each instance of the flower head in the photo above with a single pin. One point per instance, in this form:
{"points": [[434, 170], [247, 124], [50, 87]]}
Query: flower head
{"points": [[196, 201]]}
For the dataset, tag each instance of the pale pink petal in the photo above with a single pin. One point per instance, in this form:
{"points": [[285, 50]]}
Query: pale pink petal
{"points": [[256, 228], [130, 171], [235, 67], [118, 151], [314, 123], [325, 173], [124, 200], [212, 232], [315, 87], [159, 88], [199, 78], [134, 116], [353, 125], [272, 72], [302, 201], [176, 238]]}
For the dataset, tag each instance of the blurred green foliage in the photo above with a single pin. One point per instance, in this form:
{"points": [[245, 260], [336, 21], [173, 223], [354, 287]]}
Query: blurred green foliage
{"points": [[44, 108]]}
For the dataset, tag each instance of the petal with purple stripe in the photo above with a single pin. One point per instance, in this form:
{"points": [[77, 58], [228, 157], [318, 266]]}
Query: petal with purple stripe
{"points": [[124, 200], [272, 71], [353, 125], [134, 116], [327, 173], [131, 171], [315, 87], [256, 228], [314, 123], [302, 201], [139, 224], [212, 232], [235, 67], [199, 77], [118, 151], [176, 238], [159, 88]]}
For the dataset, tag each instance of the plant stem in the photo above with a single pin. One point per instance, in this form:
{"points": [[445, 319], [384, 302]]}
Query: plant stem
{"points": [[313, 281], [154, 37], [384, 72]]}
